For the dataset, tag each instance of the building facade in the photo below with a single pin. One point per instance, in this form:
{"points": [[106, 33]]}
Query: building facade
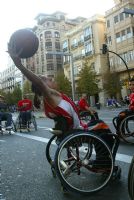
{"points": [[85, 41], [120, 39], [49, 31]]}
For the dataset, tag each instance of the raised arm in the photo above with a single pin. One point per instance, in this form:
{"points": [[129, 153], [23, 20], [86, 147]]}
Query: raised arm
{"points": [[36, 80]]}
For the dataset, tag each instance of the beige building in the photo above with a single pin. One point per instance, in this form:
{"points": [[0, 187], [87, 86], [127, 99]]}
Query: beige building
{"points": [[85, 41], [120, 39], [49, 31]]}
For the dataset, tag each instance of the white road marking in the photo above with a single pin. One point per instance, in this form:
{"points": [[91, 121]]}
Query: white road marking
{"points": [[120, 157]]}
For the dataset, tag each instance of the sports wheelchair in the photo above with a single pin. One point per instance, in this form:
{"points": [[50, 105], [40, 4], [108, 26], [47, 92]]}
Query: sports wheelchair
{"points": [[124, 125], [131, 179], [30, 123], [83, 161]]}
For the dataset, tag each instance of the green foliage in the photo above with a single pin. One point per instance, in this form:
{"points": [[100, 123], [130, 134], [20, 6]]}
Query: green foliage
{"points": [[63, 84], [27, 88], [88, 82], [12, 97], [111, 83]]}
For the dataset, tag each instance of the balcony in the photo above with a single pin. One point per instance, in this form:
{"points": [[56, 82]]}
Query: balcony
{"points": [[74, 46], [80, 43], [88, 37]]}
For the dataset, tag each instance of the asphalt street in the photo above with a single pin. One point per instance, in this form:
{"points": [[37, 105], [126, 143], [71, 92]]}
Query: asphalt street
{"points": [[26, 174]]}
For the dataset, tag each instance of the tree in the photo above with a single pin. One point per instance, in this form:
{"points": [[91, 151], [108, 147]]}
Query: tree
{"points": [[111, 83], [27, 89], [63, 83], [88, 82], [16, 94]]}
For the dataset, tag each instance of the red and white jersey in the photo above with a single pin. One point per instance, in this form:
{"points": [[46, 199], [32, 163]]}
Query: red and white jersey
{"points": [[131, 99], [66, 108]]}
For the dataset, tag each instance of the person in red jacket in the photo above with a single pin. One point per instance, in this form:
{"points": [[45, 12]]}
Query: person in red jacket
{"points": [[25, 107], [131, 96], [84, 106]]}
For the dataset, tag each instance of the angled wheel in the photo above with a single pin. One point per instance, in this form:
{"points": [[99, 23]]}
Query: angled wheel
{"points": [[127, 129], [83, 163]]}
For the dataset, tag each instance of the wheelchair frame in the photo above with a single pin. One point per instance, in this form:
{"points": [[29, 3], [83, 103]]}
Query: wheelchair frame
{"points": [[124, 130], [32, 120], [75, 155]]}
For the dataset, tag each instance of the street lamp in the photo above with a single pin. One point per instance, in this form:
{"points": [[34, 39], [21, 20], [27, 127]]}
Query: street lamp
{"points": [[71, 68]]}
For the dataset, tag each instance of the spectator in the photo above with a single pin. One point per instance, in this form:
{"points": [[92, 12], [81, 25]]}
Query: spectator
{"points": [[25, 107], [5, 115]]}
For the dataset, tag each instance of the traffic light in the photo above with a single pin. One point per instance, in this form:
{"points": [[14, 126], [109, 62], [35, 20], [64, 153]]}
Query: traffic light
{"points": [[104, 49]]}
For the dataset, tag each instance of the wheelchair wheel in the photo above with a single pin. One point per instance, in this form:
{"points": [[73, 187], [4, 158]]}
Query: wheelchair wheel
{"points": [[83, 163], [127, 129], [131, 180], [48, 156]]}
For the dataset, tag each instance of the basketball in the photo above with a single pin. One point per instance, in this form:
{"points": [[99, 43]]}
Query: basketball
{"points": [[25, 40]]}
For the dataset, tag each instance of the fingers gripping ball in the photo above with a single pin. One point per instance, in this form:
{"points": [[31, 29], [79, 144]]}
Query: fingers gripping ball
{"points": [[25, 42]]}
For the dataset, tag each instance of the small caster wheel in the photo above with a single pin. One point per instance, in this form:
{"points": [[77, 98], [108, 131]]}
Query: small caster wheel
{"points": [[53, 171], [64, 189]]}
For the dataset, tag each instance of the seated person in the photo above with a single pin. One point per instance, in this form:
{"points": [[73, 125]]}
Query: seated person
{"points": [[130, 109], [25, 108], [5, 115], [84, 106], [56, 104]]}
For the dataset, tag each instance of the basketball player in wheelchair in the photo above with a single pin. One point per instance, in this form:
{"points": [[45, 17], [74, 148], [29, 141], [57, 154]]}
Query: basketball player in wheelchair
{"points": [[124, 122], [58, 105], [26, 116]]}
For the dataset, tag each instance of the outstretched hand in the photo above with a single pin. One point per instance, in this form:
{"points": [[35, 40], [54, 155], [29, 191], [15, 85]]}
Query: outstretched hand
{"points": [[14, 54]]}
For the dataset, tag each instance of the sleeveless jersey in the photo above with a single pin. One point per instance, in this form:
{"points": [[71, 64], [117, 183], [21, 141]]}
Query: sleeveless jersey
{"points": [[53, 112]]}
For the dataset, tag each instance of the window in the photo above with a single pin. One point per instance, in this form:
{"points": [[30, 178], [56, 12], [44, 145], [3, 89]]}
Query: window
{"points": [[88, 47], [48, 45], [108, 23], [82, 38], [129, 33], [87, 31], [118, 38], [65, 44], [49, 56], [50, 66], [57, 45], [74, 42], [109, 40], [83, 52], [126, 15], [48, 34], [123, 33], [121, 16], [57, 34], [116, 19]]}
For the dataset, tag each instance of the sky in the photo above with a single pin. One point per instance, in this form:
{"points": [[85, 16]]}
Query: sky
{"points": [[18, 14]]}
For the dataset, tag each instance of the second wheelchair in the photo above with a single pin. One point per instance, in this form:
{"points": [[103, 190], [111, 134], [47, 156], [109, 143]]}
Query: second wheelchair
{"points": [[124, 125], [30, 121]]}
